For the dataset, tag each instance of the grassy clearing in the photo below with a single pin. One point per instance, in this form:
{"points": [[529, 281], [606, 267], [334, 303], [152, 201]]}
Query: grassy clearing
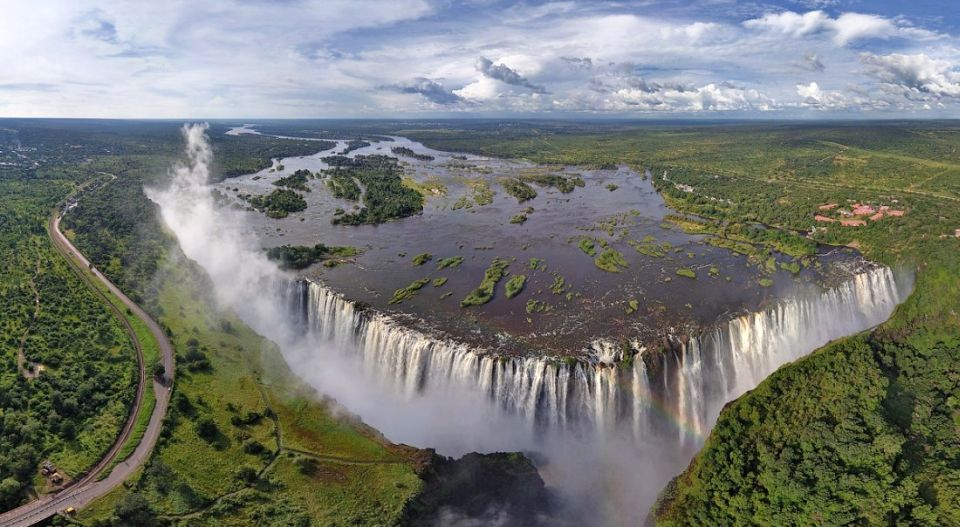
{"points": [[252, 398]]}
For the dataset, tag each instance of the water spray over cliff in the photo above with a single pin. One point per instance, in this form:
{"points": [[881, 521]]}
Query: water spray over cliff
{"points": [[618, 420], [677, 391]]}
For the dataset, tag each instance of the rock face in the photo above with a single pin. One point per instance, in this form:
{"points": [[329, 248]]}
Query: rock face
{"points": [[672, 391], [501, 489]]}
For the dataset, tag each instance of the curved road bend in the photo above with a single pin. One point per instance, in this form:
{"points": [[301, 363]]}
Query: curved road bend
{"points": [[88, 489]]}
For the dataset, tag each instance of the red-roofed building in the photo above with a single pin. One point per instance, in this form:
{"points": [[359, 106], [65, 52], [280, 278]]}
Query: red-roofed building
{"points": [[824, 219], [896, 213], [852, 223], [877, 217], [828, 206]]}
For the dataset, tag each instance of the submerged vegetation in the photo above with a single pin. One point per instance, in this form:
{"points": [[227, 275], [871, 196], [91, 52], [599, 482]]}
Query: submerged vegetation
{"points": [[481, 194]]}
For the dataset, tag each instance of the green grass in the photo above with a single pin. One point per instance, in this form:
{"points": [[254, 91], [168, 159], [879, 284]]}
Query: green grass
{"points": [[369, 479]]}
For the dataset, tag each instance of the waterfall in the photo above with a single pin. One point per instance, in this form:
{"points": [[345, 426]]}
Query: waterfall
{"points": [[678, 388]]}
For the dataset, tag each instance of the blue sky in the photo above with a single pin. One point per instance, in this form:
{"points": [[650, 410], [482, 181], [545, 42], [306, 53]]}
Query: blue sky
{"points": [[435, 58]]}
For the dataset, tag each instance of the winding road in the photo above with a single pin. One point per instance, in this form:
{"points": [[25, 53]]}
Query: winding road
{"points": [[90, 487]]}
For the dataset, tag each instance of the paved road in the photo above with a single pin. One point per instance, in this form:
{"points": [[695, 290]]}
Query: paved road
{"points": [[88, 489]]}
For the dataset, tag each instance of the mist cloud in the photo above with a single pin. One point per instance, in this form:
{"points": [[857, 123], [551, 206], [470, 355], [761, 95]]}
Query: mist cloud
{"points": [[602, 476]]}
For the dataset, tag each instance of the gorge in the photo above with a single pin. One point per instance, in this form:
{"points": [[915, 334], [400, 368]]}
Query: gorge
{"points": [[616, 414]]}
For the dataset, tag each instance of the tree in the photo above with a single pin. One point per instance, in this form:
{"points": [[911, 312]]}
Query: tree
{"points": [[134, 510], [207, 429], [248, 475], [9, 489]]}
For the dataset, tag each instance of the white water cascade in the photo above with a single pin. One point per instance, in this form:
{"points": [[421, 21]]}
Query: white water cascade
{"points": [[677, 389]]}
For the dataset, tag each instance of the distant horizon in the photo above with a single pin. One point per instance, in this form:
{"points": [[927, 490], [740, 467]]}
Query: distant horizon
{"points": [[412, 59], [531, 118]]}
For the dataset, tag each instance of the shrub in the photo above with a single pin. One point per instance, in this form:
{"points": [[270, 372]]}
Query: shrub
{"points": [[422, 258], [484, 293], [514, 285]]}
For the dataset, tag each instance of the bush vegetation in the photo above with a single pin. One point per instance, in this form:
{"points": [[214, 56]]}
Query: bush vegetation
{"points": [[301, 257], [406, 152], [514, 285], [484, 293], [422, 258], [407, 293], [279, 203], [453, 261], [385, 196], [518, 189], [296, 181], [611, 260]]}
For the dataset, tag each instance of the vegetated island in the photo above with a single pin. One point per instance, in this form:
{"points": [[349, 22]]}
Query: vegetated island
{"points": [[301, 257], [385, 197], [407, 152]]}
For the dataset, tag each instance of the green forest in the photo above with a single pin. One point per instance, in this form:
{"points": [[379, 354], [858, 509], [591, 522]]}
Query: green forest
{"points": [[69, 368]]}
